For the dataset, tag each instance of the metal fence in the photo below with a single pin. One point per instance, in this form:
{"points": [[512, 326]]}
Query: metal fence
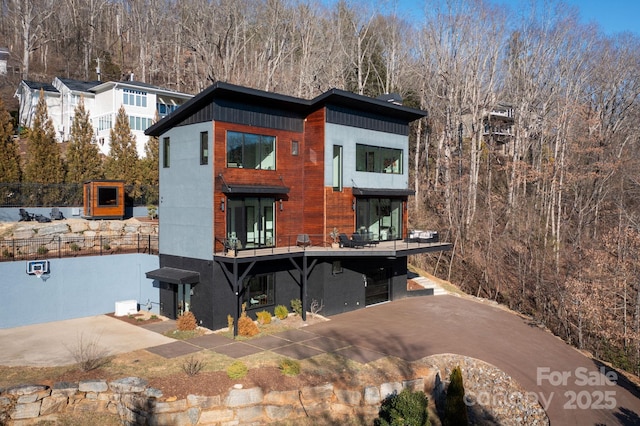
{"points": [[57, 246], [66, 195]]}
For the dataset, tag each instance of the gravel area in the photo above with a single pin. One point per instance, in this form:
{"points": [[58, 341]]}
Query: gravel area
{"points": [[493, 397]]}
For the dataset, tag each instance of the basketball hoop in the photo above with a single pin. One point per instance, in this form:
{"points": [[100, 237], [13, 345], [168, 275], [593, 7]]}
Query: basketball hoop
{"points": [[38, 273]]}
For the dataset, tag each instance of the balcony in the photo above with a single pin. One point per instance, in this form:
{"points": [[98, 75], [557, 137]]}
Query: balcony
{"points": [[318, 247]]}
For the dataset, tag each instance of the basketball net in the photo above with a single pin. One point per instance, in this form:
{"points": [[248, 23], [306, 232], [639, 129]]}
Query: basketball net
{"points": [[38, 274]]}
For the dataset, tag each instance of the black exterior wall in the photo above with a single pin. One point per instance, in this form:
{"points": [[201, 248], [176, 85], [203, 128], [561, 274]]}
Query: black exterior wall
{"points": [[213, 298]]}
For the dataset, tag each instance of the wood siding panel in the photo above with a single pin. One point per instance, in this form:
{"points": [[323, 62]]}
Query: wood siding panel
{"points": [[314, 203], [340, 212], [289, 172]]}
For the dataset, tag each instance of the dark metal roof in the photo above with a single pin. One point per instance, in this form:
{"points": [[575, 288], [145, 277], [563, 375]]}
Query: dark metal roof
{"points": [[240, 94], [383, 192], [364, 103], [36, 85], [79, 86], [254, 189], [174, 275]]}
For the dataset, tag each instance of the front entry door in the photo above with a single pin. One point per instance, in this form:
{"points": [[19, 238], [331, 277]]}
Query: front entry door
{"points": [[175, 299], [377, 287]]}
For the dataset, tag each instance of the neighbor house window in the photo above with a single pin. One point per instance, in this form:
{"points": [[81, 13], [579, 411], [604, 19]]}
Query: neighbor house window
{"points": [[166, 149], [134, 98], [249, 151], [377, 159], [204, 148], [294, 148], [259, 290], [139, 123]]}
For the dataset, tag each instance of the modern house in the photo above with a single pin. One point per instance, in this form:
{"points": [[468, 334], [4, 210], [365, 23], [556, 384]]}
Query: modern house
{"points": [[254, 186], [102, 100], [498, 127]]}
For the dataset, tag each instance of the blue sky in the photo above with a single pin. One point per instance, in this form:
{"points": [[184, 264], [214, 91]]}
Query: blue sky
{"points": [[613, 16]]}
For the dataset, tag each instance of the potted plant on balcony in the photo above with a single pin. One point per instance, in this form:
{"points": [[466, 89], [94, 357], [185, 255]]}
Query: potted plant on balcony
{"points": [[335, 237]]}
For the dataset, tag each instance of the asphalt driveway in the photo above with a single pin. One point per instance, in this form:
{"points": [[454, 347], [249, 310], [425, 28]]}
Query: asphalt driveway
{"points": [[570, 386]]}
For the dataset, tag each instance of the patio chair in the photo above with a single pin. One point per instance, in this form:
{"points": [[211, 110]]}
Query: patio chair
{"points": [[359, 240], [56, 214], [364, 238], [347, 242], [25, 216], [41, 218], [303, 240]]}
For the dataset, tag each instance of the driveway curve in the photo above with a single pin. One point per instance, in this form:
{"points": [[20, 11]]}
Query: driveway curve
{"points": [[574, 389]]}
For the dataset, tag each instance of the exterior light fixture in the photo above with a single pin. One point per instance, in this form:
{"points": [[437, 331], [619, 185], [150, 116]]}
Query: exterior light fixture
{"points": [[353, 205], [281, 208], [222, 205]]}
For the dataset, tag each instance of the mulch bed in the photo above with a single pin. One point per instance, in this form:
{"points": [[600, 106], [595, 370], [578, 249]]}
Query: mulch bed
{"points": [[136, 319]]}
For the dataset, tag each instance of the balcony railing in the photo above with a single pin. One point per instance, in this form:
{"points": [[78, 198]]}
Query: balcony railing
{"points": [[319, 243], [59, 246]]}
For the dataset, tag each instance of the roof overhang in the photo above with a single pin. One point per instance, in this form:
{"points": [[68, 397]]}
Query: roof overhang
{"points": [[174, 275], [383, 192], [254, 189]]}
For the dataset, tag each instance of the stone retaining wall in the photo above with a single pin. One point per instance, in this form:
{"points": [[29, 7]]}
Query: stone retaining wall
{"points": [[76, 236], [138, 404]]}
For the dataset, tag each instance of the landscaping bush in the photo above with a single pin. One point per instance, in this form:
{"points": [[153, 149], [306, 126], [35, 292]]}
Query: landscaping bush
{"points": [[88, 353], [230, 323], [192, 366], [289, 367], [404, 408], [237, 370], [246, 327], [43, 250], [264, 317], [74, 247], [281, 312], [296, 306], [187, 322], [455, 410]]}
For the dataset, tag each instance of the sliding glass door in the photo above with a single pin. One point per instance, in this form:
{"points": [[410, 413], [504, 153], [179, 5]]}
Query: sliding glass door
{"points": [[380, 218], [250, 222]]}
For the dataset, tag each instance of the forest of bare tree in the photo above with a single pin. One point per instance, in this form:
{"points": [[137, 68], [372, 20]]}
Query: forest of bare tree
{"points": [[549, 225]]}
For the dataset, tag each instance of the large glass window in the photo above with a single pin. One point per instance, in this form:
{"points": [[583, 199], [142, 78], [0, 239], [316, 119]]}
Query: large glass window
{"points": [[377, 159], [379, 218], [250, 222], [259, 290], [249, 151]]}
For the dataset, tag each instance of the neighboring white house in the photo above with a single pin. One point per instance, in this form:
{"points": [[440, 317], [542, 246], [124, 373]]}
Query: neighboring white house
{"points": [[102, 100], [4, 57]]}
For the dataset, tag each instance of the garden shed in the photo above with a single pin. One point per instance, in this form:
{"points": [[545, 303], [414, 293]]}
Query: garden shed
{"points": [[103, 199]]}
